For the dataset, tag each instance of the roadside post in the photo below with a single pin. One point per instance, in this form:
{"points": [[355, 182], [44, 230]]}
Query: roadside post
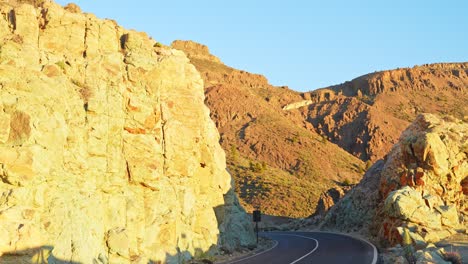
{"points": [[257, 217]]}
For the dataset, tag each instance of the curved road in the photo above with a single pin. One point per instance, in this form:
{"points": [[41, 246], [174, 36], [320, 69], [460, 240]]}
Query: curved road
{"points": [[313, 247]]}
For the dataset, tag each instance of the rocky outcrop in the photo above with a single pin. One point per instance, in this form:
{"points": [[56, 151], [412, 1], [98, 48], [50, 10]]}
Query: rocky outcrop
{"points": [[107, 152], [438, 76], [329, 198], [418, 187], [421, 182], [366, 116], [297, 105], [195, 50], [356, 211]]}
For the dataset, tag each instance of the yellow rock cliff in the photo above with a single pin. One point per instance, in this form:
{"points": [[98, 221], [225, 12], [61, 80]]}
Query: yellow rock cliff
{"points": [[107, 151]]}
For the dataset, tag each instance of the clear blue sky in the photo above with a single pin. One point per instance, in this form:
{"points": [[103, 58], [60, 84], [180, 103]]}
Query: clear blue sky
{"points": [[304, 44]]}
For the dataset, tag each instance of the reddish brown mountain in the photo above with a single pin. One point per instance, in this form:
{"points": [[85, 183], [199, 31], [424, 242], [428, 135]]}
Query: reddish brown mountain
{"points": [[367, 115], [279, 142], [275, 156]]}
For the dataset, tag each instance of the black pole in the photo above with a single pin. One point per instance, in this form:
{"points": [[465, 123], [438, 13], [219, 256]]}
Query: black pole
{"points": [[256, 229]]}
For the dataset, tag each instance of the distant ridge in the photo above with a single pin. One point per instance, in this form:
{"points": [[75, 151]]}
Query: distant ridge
{"points": [[290, 133]]}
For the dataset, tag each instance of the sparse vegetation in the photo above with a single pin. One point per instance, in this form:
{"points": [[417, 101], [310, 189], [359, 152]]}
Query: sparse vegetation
{"points": [[85, 91], [17, 39], [323, 139], [202, 257], [296, 157], [157, 45], [346, 182], [234, 153], [61, 65], [361, 170], [294, 139], [278, 192], [408, 247], [257, 167]]}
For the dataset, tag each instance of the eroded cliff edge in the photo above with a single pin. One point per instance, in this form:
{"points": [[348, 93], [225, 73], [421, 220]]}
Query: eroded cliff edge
{"points": [[107, 151]]}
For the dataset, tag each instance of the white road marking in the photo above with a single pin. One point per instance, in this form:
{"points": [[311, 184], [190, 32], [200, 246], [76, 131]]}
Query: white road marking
{"points": [[310, 252], [376, 254], [242, 259], [374, 261]]}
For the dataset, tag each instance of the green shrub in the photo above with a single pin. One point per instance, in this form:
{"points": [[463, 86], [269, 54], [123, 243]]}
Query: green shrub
{"points": [[346, 182], [361, 170], [408, 247], [323, 139], [61, 65], [256, 167], [234, 153], [85, 91]]}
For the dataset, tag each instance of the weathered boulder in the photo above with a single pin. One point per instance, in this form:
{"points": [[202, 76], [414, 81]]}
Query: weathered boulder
{"points": [[107, 151], [418, 186], [430, 255], [421, 180]]}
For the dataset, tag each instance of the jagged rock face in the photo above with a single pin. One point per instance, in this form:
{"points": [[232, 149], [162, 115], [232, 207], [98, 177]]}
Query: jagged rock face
{"points": [[357, 209], [419, 186], [329, 198], [195, 50], [367, 115], [295, 164], [421, 180], [107, 152]]}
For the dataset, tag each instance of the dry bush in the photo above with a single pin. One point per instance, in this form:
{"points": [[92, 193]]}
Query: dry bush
{"points": [[85, 91], [17, 39]]}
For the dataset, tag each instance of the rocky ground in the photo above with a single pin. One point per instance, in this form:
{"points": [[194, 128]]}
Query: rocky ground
{"points": [[431, 254]]}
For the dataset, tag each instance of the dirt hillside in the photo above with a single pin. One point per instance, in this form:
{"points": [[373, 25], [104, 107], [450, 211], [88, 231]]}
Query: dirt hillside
{"points": [[276, 157], [288, 148]]}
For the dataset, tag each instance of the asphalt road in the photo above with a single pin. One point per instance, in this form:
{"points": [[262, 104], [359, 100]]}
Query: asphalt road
{"points": [[313, 247]]}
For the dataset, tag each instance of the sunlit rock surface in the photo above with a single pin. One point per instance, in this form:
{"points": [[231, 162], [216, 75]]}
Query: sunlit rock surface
{"points": [[107, 151]]}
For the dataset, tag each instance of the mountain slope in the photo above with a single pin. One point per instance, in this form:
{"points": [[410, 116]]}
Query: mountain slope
{"points": [[276, 157], [367, 115], [282, 129]]}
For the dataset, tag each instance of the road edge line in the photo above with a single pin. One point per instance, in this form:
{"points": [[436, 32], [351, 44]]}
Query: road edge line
{"points": [[376, 253], [304, 256], [260, 253]]}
